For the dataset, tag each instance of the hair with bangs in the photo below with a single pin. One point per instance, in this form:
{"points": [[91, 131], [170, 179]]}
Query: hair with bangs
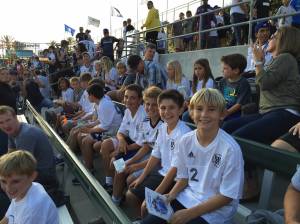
{"points": [[211, 97], [19, 162], [151, 92], [177, 69], [7, 109]]}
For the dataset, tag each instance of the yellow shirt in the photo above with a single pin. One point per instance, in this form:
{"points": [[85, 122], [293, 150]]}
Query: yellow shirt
{"points": [[152, 19]]}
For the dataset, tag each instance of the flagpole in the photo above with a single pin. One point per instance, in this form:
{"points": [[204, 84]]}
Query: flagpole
{"points": [[110, 14], [137, 14]]}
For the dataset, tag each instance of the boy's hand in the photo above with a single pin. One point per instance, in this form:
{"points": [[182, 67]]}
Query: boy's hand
{"points": [[170, 197], [137, 182], [180, 217], [131, 168], [144, 210], [295, 130], [123, 146]]}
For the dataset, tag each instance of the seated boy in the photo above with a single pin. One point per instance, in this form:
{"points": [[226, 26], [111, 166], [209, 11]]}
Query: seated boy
{"points": [[109, 119], [124, 144], [30, 202], [209, 171], [234, 87], [170, 103], [149, 131]]}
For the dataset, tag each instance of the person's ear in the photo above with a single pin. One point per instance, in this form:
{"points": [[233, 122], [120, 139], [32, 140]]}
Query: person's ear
{"points": [[33, 176]]}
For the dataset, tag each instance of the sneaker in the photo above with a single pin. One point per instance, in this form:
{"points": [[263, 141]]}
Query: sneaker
{"points": [[75, 181], [108, 188]]}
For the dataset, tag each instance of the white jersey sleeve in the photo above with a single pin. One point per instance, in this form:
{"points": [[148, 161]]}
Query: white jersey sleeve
{"points": [[296, 180]]}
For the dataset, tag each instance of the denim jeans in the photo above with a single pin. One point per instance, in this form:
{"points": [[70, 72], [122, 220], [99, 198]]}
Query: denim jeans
{"points": [[264, 128]]}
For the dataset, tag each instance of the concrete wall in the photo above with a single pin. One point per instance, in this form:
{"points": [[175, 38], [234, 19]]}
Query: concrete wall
{"points": [[187, 59]]}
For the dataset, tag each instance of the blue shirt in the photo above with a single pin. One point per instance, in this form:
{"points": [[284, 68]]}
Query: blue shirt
{"points": [[296, 5]]}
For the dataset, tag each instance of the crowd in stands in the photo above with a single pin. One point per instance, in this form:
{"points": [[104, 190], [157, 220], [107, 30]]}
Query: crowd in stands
{"points": [[200, 171], [189, 22]]}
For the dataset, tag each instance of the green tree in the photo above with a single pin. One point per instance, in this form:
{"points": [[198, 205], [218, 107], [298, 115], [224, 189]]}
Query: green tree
{"points": [[7, 41]]}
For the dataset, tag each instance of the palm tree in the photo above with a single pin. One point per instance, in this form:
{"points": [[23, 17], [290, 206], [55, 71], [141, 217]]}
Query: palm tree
{"points": [[7, 41], [71, 41]]}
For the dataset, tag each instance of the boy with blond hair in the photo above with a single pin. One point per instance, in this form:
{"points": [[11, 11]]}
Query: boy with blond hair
{"points": [[209, 171], [30, 202]]}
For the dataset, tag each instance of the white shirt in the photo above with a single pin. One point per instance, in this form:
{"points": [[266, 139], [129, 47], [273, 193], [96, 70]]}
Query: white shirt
{"points": [[85, 103], [215, 169], [236, 9], [165, 144], [112, 76], [184, 87], [35, 208], [86, 69], [68, 95], [130, 125], [46, 90], [148, 133], [250, 60], [108, 116], [285, 21], [209, 84]]}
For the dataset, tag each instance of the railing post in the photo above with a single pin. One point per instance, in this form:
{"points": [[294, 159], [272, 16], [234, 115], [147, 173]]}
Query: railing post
{"points": [[174, 15], [200, 28], [250, 22]]}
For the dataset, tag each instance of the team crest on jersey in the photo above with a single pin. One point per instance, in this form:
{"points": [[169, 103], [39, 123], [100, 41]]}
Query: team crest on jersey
{"points": [[216, 160], [172, 144], [191, 155], [128, 122]]}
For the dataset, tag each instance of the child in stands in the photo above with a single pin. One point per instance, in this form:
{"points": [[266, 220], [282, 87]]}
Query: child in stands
{"points": [[109, 120], [202, 77], [30, 202], [234, 87], [177, 80], [125, 143], [209, 171], [149, 131], [170, 103], [121, 67]]}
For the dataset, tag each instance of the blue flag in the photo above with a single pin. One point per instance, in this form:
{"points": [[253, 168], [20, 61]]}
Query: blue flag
{"points": [[69, 29]]}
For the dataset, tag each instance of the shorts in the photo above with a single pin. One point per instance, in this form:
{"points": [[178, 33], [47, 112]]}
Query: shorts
{"points": [[129, 154], [138, 173], [152, 181], [291, 139]]}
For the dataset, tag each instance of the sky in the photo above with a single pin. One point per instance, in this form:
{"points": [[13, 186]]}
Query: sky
{"points": [[39, 21]]}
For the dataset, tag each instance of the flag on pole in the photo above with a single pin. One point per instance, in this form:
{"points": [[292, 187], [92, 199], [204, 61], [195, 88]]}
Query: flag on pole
{"points": [[94, 22], [115, 12], [69, 29]]}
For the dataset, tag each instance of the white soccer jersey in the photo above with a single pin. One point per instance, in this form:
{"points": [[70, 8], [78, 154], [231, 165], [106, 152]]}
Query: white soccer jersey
{"points": [[108, 116], [85, 103], [215, 169], [165, 144], [148, 133], [130, 125]]}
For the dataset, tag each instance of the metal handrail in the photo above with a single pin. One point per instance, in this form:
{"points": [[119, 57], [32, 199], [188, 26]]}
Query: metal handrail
{"points": [[97, 194], [249, 22]]}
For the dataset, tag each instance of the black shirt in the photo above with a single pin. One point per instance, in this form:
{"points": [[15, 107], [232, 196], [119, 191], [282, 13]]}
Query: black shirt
{"points": [[262, 7], [129, 28], [107, 45]]}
